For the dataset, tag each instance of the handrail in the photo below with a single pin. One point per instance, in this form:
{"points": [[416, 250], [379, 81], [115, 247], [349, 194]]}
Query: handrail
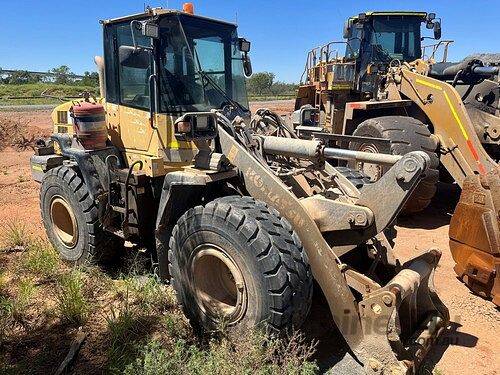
{"points": [[324, 56], [435, 47]]}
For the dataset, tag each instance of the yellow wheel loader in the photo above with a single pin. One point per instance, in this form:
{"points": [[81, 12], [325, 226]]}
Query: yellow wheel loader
{"points": [[241, 222], [382, 96]]}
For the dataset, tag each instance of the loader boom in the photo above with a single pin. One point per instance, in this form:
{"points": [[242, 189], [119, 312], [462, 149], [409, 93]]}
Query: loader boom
{"points": [[461, 151]]}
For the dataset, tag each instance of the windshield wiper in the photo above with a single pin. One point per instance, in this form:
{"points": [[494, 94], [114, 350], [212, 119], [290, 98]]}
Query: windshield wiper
{"points": [[221, 91], [204, 75]]}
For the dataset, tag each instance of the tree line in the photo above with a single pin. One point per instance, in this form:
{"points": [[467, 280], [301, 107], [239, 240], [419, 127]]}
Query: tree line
{"points": [[259, 84], [60, 75], [263, 83]]}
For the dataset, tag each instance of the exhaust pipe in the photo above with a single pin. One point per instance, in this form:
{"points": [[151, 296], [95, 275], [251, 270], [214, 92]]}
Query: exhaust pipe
{"points": [[99, 61]]}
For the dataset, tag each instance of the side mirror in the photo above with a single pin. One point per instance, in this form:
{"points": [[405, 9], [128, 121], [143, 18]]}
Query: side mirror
{"points": [[437, 30], [247, 65], [134, 57], [431, 16]]}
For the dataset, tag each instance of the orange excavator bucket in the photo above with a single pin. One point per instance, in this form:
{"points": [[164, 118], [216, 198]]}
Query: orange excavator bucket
{"points": [[475, 235]]}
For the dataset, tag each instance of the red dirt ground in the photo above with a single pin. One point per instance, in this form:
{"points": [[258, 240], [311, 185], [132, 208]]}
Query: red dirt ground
{"points": [[472, 345]]}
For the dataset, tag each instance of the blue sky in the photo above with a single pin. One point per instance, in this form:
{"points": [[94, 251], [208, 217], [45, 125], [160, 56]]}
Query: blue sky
{"points": [[41, 34]]}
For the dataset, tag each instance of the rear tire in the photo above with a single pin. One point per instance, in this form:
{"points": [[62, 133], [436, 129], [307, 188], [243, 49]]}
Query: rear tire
{"points": [[70, 218], [242, 247], [406, 134]]}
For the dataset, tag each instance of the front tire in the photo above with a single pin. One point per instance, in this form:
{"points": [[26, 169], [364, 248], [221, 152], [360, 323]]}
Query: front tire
{"points": [[405, 134], [235, 261], [70, 218]]}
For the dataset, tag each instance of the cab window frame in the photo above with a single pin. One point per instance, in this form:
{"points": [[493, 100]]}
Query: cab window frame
{"points": [[113, 68]]}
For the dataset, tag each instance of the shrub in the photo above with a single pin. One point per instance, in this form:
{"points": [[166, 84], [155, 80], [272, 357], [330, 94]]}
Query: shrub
{"points": [[252, 353]]}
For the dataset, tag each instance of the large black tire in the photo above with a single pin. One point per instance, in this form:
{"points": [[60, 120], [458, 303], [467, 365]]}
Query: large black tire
{"points": [[406, 134], [70, 217], [261, 248]]}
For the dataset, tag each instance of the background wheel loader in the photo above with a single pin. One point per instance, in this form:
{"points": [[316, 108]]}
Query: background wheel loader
{"points": [[382, 96], [242, 222]]}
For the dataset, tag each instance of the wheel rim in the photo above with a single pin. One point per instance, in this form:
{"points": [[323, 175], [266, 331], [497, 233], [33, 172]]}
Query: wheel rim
{"points": [[64, 222], [219, 285], [373, 171]]}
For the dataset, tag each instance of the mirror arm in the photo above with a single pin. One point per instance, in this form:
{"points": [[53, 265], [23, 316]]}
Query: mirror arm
{"points": [[152, 80], [132, 23]]}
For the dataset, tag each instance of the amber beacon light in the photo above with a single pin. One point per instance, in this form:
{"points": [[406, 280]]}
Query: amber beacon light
{"points": [[188, 8]]}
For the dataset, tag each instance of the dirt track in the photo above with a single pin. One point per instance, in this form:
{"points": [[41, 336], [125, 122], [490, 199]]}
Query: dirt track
{"points": [[472, 344]]}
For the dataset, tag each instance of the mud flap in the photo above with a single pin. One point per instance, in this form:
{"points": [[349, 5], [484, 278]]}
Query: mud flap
{"points": [[475, 235], [402, 320]]}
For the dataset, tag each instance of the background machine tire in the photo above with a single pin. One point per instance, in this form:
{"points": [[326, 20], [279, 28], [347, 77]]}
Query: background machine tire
{"points": [[70, 217], [236, 260], [405, 134]]}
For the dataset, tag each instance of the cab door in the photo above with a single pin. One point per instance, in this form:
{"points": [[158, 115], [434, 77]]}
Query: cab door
{"points": [[134, 96]]}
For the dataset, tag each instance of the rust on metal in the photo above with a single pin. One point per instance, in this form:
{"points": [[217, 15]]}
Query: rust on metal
{"points": [[475, 235]]}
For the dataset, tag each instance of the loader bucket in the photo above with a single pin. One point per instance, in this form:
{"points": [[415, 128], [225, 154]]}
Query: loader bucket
{"points": [[403, 319], [475, 235]]}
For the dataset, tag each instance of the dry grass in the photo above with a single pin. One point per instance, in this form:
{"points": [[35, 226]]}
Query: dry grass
{"points": [[15, 235], [14, 133], [133, 321]]}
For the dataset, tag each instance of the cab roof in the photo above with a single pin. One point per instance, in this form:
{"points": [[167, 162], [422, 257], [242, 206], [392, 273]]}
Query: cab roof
{"points": [[153, 12], [423, 15]]}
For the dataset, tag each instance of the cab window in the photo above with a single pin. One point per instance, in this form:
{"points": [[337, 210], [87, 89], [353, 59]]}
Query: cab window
{"points": [[134, 82]]}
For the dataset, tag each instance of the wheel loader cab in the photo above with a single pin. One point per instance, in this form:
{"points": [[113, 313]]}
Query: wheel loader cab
{"points": [[161, 66], [374, 39]]}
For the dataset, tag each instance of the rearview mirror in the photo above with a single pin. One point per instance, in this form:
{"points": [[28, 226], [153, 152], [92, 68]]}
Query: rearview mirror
{"points": [[134, 57], [437, 30], [247, 65]]}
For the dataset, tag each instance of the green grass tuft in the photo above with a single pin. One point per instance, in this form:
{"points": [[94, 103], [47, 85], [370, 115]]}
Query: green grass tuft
{"points": [[150, 294], [72, 303], [41, 259], [14, 310], [16, 235], [176, 325]]}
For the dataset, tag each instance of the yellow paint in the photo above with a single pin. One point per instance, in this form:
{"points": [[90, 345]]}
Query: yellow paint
{"points": [[130, 130], [453, 111], [455, 115], [428, 84], [232, 154], [37, 167]]}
